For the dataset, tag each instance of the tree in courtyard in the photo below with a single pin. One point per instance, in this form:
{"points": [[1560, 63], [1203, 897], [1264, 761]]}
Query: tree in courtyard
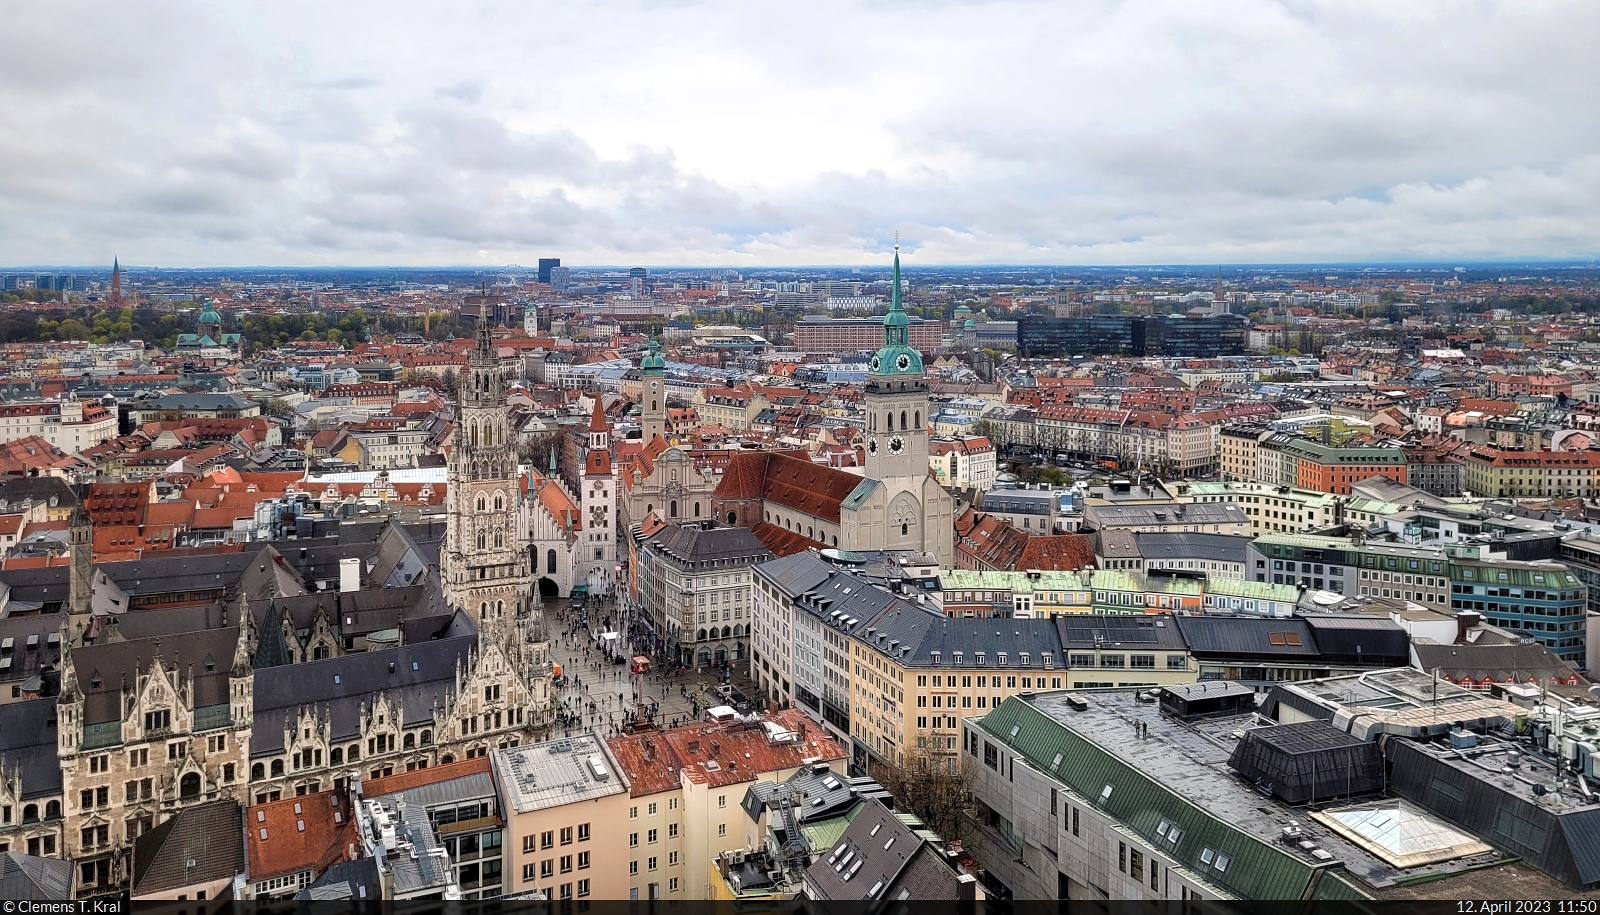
{"points": [[935, 787]]}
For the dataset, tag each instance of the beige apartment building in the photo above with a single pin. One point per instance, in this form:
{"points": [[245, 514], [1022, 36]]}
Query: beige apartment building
{"points": [[685, 786], [566, 811], [1237, 451]]}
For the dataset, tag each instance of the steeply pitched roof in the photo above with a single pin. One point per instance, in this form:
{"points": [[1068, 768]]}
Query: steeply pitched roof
{"points": [[309, 832], [1499, 662], [418, 676], [208, 835], [28, 744], [787, 480], [34, 878], [782, 542], [880, 856]]}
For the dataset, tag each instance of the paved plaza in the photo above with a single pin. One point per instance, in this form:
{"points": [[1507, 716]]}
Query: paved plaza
{"points": [[599, 695]]}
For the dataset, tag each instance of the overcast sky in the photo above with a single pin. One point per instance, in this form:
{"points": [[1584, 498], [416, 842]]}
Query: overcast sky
{"points": [[748, 133]]}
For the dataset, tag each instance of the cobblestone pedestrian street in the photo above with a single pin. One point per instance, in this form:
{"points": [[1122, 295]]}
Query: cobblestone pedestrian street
{"points": [[597, 694]]}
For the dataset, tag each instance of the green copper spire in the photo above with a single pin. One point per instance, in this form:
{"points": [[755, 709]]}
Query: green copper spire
{"points": [[896, 357], [894, 296]]}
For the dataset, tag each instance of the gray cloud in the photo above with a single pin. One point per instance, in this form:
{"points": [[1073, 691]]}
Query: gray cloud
{"points": [[726, 132]]}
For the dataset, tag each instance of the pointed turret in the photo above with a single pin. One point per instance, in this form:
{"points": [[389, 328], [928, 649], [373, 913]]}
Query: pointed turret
{"points": [[244, 649], [485, 339], [69, 672], [597, 463]]}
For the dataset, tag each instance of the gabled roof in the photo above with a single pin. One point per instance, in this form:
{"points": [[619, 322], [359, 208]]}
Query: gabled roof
{"points": [[207, 835], [789, 481], [880, 856], [1499, 662]]}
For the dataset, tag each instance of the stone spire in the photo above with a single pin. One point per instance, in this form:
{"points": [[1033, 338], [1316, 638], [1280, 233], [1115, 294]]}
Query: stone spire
{"points": [[244, 649]]}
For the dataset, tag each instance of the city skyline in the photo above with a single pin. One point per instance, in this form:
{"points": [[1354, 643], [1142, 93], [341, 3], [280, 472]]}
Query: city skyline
{"points": [[987, 133]]}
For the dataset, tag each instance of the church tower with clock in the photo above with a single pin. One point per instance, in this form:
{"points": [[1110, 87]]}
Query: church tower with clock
{"points": [[899, 505]]}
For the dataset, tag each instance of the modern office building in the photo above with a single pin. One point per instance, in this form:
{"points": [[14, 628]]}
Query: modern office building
{"points": [[818, 334], [1133, 335], [1541, 600], [546, 265]]}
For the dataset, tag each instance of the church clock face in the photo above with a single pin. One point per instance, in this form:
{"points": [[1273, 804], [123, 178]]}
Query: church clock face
{"points": [[897, 445], [872, 446], [903, 363], [876, 363]]}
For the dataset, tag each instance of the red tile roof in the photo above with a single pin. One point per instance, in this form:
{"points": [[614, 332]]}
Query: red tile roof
{"points": [[783, 543], [654, 762], [309, 832], [405, 781], [790, 481]]}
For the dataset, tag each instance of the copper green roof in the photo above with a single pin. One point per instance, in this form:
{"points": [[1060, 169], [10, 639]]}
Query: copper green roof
{"points": [[1148, 807], [897, 356], [653, 361]]}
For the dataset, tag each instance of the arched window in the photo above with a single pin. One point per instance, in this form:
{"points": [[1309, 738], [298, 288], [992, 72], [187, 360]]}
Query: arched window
{"points": [[480, 540], [697, 509], [483, 610], [725, 631], [903, 425], [277, 768], [550, 562], [499, 608], [427, 738], [446, 759], [30, 813], [916, 418], [474, 436], [410, 742], [354, 753], [701, 637], [336, 756], [499, 539], [189, 786], [888, 420], [732, 517], [905, 529], [259, 772], [52, 810], [481, 504], [499, 502]]}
